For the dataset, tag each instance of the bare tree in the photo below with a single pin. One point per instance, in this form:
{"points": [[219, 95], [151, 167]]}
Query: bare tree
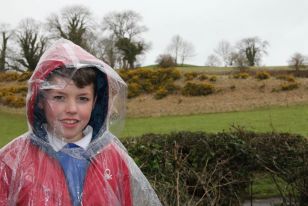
{"points": [[224, 50], [187, 51], [175, 46], [108, 52], [213, 61], [298, 61], [74, 23], [180, 49], [239, 60], [253, 49], [6, 34], [124, 24], [124, 29], [32, 43]]}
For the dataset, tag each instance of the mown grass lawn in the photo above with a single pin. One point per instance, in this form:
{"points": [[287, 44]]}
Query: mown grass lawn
{"points": [[293, 119], [11, 125]]}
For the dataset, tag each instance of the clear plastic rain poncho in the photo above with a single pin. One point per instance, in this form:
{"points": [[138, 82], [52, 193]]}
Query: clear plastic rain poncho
{"points": [[69, 156]]}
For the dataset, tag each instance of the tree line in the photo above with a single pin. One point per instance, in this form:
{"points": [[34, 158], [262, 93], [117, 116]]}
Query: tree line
{"points": [[117, 40], [248, 52]]}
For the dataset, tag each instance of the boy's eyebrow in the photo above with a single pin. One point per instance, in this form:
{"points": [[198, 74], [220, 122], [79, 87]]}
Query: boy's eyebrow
{"points": [[57, 91], [85, 93], [65, 93]]}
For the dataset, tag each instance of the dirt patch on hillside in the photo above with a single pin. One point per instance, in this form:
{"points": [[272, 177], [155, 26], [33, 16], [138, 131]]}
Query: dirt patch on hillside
{"points": [[231, 95]]}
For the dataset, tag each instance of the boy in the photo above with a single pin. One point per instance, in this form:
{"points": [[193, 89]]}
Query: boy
{"points": [[69, 156]]}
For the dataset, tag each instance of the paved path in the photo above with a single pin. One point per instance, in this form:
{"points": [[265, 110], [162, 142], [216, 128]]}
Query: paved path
{"points": [[263, 202]]}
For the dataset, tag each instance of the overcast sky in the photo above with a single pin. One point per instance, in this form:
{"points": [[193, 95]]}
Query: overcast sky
{"points": [[283, 23]]}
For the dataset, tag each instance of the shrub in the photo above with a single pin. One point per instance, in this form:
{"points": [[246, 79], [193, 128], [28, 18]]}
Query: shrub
{"points": [[288, 78], [289, 86], [9, 76], [192, 89], [216, 169], [283, 156], [203, 77], [190, 76], [165, 61], [213, 78], [163, 75], [146, 86], [166, 89], [161, 93], [24, 76], [262, 75], [15, 89], [241, 75], [146, 81], [191, 167], [13, 101], [19, 102], [134, 90]]}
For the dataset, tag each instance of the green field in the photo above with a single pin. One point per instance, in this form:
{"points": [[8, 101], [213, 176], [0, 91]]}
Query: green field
{"points": [[11, 125], [293, 119]]}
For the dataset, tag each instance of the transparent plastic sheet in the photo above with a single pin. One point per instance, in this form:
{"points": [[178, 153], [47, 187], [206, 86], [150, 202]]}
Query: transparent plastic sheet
{"points": [[41, 167]]}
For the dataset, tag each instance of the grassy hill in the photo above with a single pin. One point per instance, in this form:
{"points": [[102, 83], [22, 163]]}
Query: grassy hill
{"points": [[233, 90]]}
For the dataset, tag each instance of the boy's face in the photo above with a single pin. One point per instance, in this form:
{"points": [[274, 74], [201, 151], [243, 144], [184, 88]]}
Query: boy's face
{"points": [[68, 110]]}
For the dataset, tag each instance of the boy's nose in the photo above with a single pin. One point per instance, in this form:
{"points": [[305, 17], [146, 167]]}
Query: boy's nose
{"points": [[71, 106]]}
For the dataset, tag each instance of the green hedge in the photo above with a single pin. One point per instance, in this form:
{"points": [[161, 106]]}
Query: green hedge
{"points": [[196, 168]]}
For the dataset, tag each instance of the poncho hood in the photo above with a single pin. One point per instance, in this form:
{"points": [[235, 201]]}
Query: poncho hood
{"points": [[111, 89]]}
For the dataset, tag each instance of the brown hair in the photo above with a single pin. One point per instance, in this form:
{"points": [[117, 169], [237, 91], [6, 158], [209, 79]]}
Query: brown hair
{"points": [[81, 77]]}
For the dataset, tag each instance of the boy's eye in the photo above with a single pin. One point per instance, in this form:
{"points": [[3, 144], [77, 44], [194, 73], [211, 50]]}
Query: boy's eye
{"points": [[58, 98], [84, 99]]}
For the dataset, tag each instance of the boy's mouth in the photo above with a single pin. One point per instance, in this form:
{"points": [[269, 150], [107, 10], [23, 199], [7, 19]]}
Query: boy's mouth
{"points": [[69, 122]]}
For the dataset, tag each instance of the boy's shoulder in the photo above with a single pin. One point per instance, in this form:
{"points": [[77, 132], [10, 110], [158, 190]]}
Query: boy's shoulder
{"points": [[111, 152], [11, 151]]}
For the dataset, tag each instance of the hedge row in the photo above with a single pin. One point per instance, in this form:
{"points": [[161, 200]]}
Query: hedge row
{"points": [[196, 168]]}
